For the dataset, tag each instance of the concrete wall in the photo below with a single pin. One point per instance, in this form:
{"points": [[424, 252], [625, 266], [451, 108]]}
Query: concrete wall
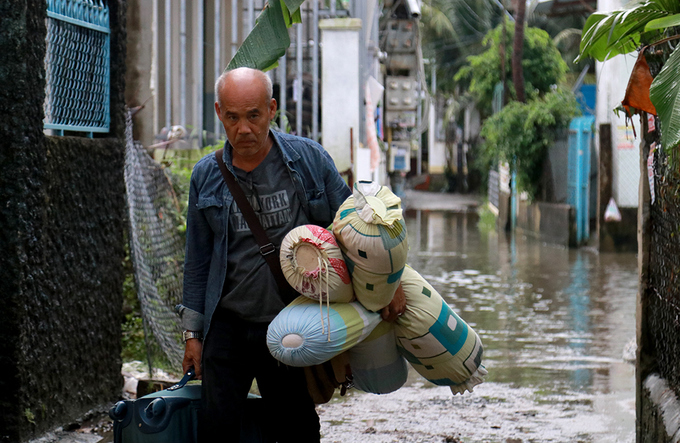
{"points": [[340, 88], [62, 212], [558, 157], [141, 86], [551, 222]]}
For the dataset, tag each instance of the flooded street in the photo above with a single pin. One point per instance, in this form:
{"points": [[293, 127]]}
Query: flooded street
{"points": [[555, 323]]}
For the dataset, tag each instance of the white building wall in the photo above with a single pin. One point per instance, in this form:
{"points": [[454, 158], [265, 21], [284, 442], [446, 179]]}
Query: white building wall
{"points": [[437, 147], [340, 88], [612, 79]]}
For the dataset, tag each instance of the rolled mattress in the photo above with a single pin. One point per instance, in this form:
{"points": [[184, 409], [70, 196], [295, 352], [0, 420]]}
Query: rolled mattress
{"points": [[312, 262], [377, 366], [435, 340], [371, 232], [305, 333]]}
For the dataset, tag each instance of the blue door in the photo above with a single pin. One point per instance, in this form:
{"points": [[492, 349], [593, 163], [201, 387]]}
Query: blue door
{"points": [[581, 139]]}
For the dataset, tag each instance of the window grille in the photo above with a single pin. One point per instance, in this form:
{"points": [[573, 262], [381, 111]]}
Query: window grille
{"points": [[77, 66]]}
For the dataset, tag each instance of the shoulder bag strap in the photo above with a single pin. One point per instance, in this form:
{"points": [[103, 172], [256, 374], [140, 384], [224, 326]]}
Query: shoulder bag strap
{"points": [[267, 248]]}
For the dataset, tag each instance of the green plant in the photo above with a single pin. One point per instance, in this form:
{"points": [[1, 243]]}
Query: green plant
{"points": [[608, 34], [521, 133], [282, 117], [179, 173], [30, 416], [542, 64], [269, 39], [651, 23]]}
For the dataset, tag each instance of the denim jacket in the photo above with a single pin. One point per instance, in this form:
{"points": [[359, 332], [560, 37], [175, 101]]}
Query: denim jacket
{"points": [[320, 190]]}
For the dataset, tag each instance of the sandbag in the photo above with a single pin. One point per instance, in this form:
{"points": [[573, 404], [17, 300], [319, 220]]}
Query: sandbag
{"points": [[434, 340], [377, 366], [370, 229], [305, 333], [312, 262]]}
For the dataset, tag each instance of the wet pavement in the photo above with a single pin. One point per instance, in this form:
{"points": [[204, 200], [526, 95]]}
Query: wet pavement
{"points": [[556, 324]]}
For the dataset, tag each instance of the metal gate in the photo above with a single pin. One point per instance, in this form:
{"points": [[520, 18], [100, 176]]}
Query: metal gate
{"points": [[581, 139]]}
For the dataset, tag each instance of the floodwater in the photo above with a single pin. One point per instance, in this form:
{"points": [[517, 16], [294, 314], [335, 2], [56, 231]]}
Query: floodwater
{"points": [[558, 328]]}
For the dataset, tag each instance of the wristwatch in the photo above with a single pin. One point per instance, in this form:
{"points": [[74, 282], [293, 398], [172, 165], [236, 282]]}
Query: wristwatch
{"points": [[186, 335]]}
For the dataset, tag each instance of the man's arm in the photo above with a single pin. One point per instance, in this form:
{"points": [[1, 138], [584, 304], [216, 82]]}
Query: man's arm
{"points": [[199, 244]]}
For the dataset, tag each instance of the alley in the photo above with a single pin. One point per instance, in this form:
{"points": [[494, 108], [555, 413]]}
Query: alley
{"points": [[558, 327]]}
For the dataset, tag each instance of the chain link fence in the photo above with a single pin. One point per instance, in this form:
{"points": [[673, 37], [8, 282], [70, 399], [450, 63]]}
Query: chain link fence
{"points": [[157, 251], [663, 317]]}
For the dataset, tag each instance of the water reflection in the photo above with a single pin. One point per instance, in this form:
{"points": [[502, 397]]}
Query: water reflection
{"points": [[550, 317]]}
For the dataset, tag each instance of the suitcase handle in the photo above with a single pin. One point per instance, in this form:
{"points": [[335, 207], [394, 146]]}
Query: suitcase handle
{"points": [[187, 376]]}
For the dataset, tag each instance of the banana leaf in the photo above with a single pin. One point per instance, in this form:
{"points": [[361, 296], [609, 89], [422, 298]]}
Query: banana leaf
{"points": [[269, 39], [663, 23], [606, 35], [292, 5], [665, 95]]}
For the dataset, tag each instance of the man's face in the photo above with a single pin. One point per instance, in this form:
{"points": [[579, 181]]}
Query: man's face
{"points": [[245, 113]]}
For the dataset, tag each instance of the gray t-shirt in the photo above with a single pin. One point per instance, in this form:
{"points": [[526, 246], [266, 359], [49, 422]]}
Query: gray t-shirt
{"points": [[250, 289]]}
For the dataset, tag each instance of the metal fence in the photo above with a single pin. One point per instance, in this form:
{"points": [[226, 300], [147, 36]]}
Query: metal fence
{"points": [[664, 269], [77, 66], [157, 251]]}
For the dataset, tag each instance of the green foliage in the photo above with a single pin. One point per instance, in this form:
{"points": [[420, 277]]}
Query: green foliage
{"points": [[179, 170], [665, 95], [269, 39], [451, 30], [622, 31], [542, 64], [522, 132], [30, 416]]}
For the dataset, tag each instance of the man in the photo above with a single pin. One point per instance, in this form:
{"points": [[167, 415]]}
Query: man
{"points": [[230, 294]]}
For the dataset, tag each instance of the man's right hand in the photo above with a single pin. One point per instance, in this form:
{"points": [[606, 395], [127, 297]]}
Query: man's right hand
{"points": [[192, 356]]}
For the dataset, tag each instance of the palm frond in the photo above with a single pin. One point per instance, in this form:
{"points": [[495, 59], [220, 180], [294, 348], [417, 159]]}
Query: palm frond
{"points": [[566, 35]]}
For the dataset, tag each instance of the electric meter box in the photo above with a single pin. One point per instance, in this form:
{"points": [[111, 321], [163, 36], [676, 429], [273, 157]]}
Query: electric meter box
{"points": [[401, 101], [401, 93], [401, 35], [400, 156]]}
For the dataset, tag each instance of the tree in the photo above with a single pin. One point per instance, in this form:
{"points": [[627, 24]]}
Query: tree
{"points": [[517, 49], [542, 64], [452, 30], [521, 134]]}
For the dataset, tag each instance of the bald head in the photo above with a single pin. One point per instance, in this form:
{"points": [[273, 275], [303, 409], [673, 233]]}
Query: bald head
{"points": [[247, 75]]}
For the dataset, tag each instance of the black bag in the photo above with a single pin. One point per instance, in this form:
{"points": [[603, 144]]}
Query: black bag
{"points": [[324, 379], [171, 416]]}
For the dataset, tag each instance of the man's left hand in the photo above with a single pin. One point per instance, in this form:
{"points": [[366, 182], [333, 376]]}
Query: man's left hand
{"points": [[396, 307]]}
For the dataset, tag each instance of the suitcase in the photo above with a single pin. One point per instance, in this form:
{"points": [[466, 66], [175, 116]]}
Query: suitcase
{"points": [[171, 415]]}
